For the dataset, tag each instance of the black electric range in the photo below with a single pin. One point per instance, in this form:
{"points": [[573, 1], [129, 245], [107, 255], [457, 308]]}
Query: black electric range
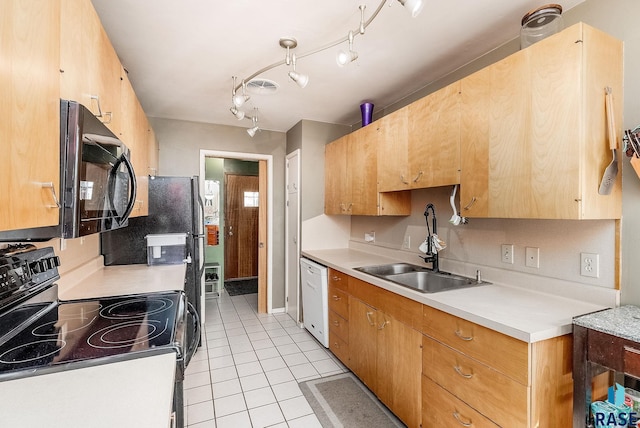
{"points": [[41, 334]]}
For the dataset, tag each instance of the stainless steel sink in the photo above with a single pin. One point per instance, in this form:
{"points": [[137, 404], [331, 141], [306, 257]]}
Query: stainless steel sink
{"points": [[420, 278], [390, 269]]}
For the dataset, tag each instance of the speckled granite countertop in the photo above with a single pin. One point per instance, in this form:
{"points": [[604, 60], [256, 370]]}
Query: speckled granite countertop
{"points": [[622, 322]]}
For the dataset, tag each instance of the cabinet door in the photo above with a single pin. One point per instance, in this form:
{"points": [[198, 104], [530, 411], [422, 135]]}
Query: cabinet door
{"points": [[91, 68], [363, 341], [362, 171], [335, 177], [393, 152], [135, 135], [399, 368], [30, 109], [434, 138]]}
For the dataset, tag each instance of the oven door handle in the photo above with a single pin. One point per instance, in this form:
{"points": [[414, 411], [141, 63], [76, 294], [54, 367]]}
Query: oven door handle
{"points": [[193, 346]]}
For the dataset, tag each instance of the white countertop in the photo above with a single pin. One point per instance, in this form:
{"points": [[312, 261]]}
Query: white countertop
{"points": [[95, 280], [135, 393], [525, 315]]}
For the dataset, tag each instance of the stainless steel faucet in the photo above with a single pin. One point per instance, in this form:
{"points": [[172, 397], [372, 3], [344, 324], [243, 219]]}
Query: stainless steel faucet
{"points": [[431, 256]]}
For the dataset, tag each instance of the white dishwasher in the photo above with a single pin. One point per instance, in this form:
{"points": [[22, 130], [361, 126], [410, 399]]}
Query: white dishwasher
{"points": [[315, 307]]}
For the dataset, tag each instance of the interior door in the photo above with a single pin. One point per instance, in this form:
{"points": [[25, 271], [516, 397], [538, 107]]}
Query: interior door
{"points": [[241, 226]]}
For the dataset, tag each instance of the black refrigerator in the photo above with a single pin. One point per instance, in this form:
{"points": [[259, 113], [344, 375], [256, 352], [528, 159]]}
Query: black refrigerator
{"points": [[174, 207]]}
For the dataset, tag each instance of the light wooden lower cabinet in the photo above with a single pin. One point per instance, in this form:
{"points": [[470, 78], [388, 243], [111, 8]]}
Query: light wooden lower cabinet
{"points": [[504, 380]]}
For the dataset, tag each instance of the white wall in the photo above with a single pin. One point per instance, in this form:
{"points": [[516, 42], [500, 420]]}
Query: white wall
{"points": [[180, 144]]}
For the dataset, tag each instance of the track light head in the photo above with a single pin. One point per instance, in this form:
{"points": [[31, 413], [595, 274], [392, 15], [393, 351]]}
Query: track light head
{"points": [[252, 131], [301, 79], [343, 58], [413, 6], [240, 99], [239, 114]]}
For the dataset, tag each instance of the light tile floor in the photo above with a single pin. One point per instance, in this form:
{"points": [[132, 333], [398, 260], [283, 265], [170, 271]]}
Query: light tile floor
{"points": [[247, 371]]}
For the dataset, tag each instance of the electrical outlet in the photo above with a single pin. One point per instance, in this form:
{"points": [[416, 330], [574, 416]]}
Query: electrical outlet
{"points": [[590, 265], [507, 253], [370, 237], [406, 244], [532, 257]]}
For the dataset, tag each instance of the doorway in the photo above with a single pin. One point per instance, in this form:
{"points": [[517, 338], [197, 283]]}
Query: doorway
{"points": [[250, 246]]}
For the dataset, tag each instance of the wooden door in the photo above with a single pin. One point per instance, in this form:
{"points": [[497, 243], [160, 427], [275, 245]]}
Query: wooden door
{"points": [[363, 341], [30, 109], [399, 368], [362, 166], [393, 152], [241, 226], [434, 138], [335, 177]]}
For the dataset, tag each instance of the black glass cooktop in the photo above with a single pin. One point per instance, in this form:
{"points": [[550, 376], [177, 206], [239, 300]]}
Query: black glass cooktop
{"points": [[87, 330]]}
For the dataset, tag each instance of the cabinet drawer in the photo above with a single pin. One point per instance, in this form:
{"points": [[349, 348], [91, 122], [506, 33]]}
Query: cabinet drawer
{"points": [[339, 280], [339, 347], [441, 409], [503, 353], [339, 326], [338, 301], [491, 393]]}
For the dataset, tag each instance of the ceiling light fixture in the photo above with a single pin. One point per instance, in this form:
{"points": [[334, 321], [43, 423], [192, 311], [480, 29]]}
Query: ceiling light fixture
{"points": [[239, 114], [254, 120], [240, 99], [301, 79], [414, 7], [343, 58]]}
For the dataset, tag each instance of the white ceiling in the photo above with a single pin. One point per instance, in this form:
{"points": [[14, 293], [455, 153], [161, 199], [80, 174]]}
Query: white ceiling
{"points": [[181, 54]]}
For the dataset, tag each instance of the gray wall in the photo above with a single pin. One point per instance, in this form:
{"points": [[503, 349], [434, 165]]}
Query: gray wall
{"points": [[180, 144], [618, 18], [311, 137]]}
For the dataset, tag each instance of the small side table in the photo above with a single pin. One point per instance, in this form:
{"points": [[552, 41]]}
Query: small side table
{"points": [[607, 340]]}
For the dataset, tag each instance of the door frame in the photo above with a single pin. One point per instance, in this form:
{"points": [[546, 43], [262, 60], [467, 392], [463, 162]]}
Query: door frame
{"points": [[263, 264], [287, 248]]}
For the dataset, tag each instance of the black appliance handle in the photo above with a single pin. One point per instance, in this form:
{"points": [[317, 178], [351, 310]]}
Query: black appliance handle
{"points": [[202, 236], [134, 185], [193, 346]]}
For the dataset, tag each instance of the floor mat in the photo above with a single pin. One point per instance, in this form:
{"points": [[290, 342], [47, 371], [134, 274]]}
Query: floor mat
{"points": [[343, 401], [237, 287]]}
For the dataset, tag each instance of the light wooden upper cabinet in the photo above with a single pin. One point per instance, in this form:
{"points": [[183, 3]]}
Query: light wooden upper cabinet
{"points": [[90, 71], [135, 134], [30, 110], [351, 177], [533, 130], [421, 145]]}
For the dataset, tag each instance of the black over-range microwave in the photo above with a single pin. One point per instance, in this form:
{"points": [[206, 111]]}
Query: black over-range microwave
{"points": [[96, 177]]}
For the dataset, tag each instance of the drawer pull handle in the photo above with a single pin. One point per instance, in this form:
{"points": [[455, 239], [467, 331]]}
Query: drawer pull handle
{"points": [[470, 204], [402, 180], [465, 338], [336, 278], [336, 322], [460, 372], [460, 421], [369, 319], [415, 180], [336, 298]]}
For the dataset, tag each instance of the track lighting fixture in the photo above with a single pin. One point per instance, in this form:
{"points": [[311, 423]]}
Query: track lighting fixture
{"points": [[301, 79], [239, 114], [254, 121], [343, 58], [240, 99], [414, 7]]}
